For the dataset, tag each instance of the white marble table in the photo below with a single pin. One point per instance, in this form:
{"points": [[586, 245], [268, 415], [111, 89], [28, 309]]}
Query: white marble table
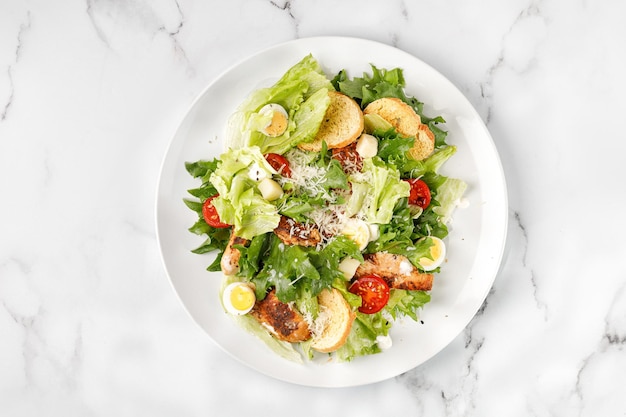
{"points": [[91, 94]]}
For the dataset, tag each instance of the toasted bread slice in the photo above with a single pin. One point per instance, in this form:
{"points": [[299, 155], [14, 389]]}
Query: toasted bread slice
{"points": [[337, 318], [397, 113], [406, 122], [342, 124], [424, 143]]}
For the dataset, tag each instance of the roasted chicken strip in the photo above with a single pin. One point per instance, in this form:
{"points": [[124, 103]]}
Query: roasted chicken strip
{"points": [[231, 255], [290, 232], [285, 322], [396, 270], [349, 158]]}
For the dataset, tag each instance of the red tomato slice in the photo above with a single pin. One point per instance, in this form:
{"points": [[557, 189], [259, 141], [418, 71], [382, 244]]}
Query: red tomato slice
{"points": [[374, 293], [209, 212], [279, 163], [420, 193]]}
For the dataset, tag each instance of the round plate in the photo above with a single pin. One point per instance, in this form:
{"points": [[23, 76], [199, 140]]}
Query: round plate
{"points": [[475, 243]]}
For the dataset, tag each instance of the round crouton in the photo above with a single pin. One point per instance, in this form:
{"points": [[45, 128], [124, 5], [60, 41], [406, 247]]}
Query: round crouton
{"points": [[424, 143], [336, 318], [406, 122], [342, 124], [397, 113]]}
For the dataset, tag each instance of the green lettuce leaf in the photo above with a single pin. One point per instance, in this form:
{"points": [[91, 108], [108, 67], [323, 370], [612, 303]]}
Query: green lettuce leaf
{"points": [[302, 91], [380, 83], [240, 202], [406, 303], [215, 238], [386, 188], [386, 83], [298, 271], [362, 338], [448, 195]]}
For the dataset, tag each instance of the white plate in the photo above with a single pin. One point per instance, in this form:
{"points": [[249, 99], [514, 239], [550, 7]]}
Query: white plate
{"points": [[475, 243]]}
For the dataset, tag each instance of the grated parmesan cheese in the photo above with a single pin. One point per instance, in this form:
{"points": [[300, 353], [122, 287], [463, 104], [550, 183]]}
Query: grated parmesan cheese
{"points": [[305, 178], [318, 325]]}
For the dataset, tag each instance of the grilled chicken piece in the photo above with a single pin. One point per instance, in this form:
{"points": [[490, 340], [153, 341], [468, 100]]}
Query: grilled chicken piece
{"points": [[396, 270], [349, 158], [290, 232], [283, 321], [231, 255]]}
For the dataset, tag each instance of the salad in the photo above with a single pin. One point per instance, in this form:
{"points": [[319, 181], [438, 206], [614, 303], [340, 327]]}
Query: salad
{"points": [[327, 211]]}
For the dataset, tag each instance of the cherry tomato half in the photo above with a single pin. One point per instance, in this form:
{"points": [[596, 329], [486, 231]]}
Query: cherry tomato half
{"points": [[374, 293], [279, 163], [420, 193], [209, 212]]}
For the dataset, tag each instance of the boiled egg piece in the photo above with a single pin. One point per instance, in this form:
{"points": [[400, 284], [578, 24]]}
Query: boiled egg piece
{"points": [[238, 298], [358, 231], [278, 119], [438, 253]]}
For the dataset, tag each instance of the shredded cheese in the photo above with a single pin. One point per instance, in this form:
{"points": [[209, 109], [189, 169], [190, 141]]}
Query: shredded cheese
{"points": [[305, 178]]}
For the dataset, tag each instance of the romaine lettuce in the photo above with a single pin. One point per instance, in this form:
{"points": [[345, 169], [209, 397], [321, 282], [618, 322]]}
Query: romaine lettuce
{"points": [[362, 338], [239, 202], [302, 92], [386, 189], [449, 194]]}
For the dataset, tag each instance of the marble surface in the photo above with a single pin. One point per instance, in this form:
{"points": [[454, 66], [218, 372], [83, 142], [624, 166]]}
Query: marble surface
{"points": [[91, 93]]}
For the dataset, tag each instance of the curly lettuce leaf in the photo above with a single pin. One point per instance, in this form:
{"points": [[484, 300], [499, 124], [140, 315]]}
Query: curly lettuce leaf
{"points": [[406, 303], [386, 83], [362, 338], [386, 188]]}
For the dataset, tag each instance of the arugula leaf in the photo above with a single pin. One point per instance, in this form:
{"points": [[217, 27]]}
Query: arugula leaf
{"points": [[284, 266], [250, 260], [327, 261], [216, 238], [335, 177], [201, 169]]}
